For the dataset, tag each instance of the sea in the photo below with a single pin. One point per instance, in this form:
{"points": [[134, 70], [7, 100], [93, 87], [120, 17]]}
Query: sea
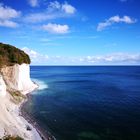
{"points": [[87, 102]]}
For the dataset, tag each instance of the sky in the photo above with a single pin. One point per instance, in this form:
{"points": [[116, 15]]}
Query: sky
{"points": [[73, 32]]}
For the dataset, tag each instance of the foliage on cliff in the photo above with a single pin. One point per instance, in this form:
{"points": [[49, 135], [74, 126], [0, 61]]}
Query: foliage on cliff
{"points": [[10, 55], [17, 96], [12, 138]]}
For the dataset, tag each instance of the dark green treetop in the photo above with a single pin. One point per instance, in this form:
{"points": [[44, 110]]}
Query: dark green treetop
{"points": [[10, 55]]}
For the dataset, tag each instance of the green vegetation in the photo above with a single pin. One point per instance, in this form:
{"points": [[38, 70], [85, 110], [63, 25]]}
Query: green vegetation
{"points": [[10, 55], [17, 97], [12, 138]]}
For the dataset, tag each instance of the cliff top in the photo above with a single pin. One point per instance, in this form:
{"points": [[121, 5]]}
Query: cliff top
{"points": [[10, 55]]}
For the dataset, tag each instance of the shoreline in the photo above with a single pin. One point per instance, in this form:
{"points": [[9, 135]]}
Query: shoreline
{"points": [[44, 135]]}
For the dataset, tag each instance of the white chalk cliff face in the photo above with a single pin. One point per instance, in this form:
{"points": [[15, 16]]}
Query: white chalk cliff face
{"points": [[2, 87], [15, 78]]}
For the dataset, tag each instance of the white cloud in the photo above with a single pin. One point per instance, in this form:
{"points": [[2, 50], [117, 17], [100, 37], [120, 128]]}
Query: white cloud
{"points": [[6, 16], [36, 58], [54, 10], [111, 59], [115, 19], [116, 58], [67, 8], [7, 12], [64, 7], [56, 28], [33, 3], [54, 6], [8, 23], [31, 53]]}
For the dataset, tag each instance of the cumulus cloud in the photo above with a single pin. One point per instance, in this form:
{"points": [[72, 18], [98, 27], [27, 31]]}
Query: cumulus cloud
{"points": [[56, 28], [36, 57], [54, 10], [33, 3], [7, 14], [31, 53], [115, 19], [64, 7], [67, 8]]}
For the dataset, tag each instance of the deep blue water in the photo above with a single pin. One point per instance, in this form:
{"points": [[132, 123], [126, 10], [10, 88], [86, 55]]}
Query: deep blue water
{"points": [[87, 103]]}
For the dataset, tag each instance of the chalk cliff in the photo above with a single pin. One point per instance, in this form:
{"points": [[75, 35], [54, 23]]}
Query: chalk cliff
{"points": [[15, 82], [17, 77], [2, 86]]}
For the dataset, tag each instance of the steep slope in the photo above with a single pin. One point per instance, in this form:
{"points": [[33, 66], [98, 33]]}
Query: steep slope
{"points": [[17, 78], [15, 82]]}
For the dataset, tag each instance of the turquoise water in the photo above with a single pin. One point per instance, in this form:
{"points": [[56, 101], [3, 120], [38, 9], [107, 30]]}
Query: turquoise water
{"points": [[87, 103]]}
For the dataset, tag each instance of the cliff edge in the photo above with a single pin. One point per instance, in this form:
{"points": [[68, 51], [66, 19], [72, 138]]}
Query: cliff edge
{"points": [[15, 82]]}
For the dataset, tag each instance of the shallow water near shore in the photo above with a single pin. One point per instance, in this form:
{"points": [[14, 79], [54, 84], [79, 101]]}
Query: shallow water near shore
{"points": [[87, 103]]}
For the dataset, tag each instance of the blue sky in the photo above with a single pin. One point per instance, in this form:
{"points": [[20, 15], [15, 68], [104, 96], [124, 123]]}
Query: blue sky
{"points": [[73, 32]]}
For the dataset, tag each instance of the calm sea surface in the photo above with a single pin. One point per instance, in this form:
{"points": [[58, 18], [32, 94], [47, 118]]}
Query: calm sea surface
{"points": [[87, 103]]}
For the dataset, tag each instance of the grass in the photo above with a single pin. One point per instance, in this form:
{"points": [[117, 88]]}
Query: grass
{"points": [[12, 138], [17, 96]]}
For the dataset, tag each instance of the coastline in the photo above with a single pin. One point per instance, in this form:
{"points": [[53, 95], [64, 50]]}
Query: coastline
{"points": [[44, 135]]}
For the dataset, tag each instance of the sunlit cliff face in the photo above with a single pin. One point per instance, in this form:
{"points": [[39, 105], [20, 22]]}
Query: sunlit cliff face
{"points": [[2, 87], [17, 77]]}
